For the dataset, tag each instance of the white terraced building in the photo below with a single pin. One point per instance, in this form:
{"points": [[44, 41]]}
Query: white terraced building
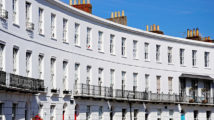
{"points": [[62, 63]]}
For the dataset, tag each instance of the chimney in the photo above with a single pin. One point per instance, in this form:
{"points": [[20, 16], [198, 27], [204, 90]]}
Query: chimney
{"points": [[190, 35], [209, 38], [70, 2], [115, 14], [151, 28], [155, 29], [88, 1], [75, 2], [112, 15], [118, 18], [82, 6], [158, 28], [123, 13], [147, 27], [118, 13], [187, 33], [194, 33]]}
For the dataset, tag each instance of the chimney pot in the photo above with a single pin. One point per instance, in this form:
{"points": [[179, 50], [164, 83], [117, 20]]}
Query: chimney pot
{"points": [[187, 33], [83, 2], [88, 1], [147, 27], [154, 27], [118, 13], [190, 33], [70, 2], [75, 2], [197, 32], [115, 14], [112, 14], [194, 33], [123, 13], [209, 38], [79, 2], [151, 28], [158, 27]]}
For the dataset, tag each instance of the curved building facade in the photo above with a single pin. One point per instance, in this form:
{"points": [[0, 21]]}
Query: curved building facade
{"points": [[61, 63]]}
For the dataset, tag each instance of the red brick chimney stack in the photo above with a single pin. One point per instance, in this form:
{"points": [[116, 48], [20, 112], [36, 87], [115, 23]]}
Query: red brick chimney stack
{"points": [[87, 7], [118, 18], [154, 28]]}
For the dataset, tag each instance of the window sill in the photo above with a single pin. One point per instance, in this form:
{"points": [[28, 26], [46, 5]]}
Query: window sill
{"points": [[183, 65], [170, 64], [16, 25], [124, 57], [42, 34], [77, 46], [90, 49], [29, 30], [101, 52], [65, 42], [158, 62], [194, 67], [208, 68], [147, 60], [135, 58], [53, 39], [112, 54]]}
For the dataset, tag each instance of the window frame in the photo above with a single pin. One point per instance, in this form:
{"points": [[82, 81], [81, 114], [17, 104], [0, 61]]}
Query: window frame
{"points": [[123, 47]]}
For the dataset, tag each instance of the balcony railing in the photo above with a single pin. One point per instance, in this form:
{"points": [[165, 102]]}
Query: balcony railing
{"points": [[86, 90], [92, 90], [3, 14], [26, 83], [20, 83]]}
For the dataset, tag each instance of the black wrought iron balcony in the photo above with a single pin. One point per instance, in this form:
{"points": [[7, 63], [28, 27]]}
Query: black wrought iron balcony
{"points": [[127, 94], [157, 97], [29, 26], [93, 90], [85, 90], [3, 14], [2, 78], [26, 84]]}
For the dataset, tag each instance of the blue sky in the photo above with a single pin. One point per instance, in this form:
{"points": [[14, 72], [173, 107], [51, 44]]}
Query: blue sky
{"points": [[173, 16]]}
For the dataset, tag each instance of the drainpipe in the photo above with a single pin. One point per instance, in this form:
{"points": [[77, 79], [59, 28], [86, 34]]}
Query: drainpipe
{"points": [[130, 105]]}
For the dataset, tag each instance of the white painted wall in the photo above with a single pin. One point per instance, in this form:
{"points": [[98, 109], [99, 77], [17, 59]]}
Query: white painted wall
{"points": [[16, 35]]}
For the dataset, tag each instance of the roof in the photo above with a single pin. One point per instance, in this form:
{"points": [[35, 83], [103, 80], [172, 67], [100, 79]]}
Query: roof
{"points": [[198, 77]]}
